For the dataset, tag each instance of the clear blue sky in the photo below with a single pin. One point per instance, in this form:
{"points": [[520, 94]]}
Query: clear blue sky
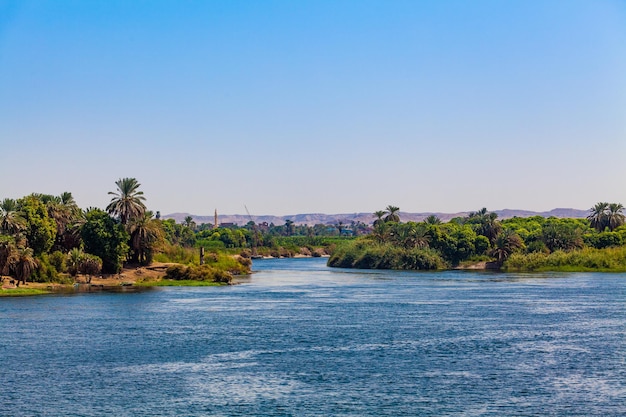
{"points": [[316, 106]]}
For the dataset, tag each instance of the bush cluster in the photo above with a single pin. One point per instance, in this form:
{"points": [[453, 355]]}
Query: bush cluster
{"points": [[385, 256], [198, 273], [613, 259]]}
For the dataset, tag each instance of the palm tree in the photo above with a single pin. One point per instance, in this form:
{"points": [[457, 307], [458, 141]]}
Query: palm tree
{"points": [[289, 227], [127, 202], [392, 214], [614, 216], [146, 234], [490, 227], [11, 222], [65, 213], [478, 215], [485, 223], [381, 232], [73, 260], [61, 214], [379, 217], [506, 243], [67, 199], [597, 217], [72, 238], [188, 220], [8, 255], [414, 236], [432, 219], [24, 264]]}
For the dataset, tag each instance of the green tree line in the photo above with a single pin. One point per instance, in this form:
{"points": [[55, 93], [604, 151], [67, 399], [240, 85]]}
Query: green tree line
{"points": [[481, 236], [43, 236]]}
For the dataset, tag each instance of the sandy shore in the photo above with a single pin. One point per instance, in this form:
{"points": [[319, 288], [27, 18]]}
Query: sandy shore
{"points": [[128, 276]]}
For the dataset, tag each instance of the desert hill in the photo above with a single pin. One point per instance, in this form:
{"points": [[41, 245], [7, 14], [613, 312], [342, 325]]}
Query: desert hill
{"points": [[367, 218]]}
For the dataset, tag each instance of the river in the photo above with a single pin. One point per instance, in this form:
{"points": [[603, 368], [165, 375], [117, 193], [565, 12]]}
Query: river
{"points": [[300, 339]]}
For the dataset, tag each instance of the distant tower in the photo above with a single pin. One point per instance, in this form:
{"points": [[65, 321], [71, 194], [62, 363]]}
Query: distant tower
{"points": [[215, 221]]}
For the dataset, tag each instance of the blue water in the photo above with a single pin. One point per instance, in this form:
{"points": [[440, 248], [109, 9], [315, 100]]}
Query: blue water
{"points": [[299, 339]]}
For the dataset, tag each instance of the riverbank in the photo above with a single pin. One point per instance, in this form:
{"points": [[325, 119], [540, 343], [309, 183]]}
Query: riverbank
{"points": [[217, 270], [146, 276], [366, 254]]}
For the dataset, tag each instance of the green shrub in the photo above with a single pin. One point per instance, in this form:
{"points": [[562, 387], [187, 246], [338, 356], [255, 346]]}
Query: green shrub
{"points": [[46, 272], [90, 265], [537, 246], [57, 259], [588, 259], [604, 239], [178, 254], [371, 255], [197, 273], [211, 244], [177, 272]]}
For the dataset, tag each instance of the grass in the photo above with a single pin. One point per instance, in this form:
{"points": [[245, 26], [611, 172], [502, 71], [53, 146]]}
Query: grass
{"points": [[582, 260], [178, 254], [22, 292]]}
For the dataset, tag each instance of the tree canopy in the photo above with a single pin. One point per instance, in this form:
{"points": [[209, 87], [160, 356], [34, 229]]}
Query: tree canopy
{"points": [[127, 202]]}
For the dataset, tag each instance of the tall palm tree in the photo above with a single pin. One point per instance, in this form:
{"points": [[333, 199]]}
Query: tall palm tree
{"points": [[490, 227], [146, 234], [478, 215], [615, 216], [188, 220], [67, 199], [379, 217], [290, 228], [11, 222], [127, 202], [485, 223], [597, 216], [67, 239], [392, 214], [61, 214]]}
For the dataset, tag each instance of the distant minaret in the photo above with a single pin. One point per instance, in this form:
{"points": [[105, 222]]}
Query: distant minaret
{"points": [[215, 223]]}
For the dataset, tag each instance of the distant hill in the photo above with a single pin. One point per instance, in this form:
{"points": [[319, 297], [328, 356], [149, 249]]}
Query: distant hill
{"points": [[367, 218]]}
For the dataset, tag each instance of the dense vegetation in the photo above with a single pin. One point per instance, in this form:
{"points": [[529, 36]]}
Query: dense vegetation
{"points": [[533, 243], [49, 238]]}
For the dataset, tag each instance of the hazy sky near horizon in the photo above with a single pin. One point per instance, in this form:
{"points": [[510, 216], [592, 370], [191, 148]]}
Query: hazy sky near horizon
{"points": [[316, 106]]}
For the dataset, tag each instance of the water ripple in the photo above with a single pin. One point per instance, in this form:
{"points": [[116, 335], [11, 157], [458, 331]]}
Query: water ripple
{"points": [[299, 339]]}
